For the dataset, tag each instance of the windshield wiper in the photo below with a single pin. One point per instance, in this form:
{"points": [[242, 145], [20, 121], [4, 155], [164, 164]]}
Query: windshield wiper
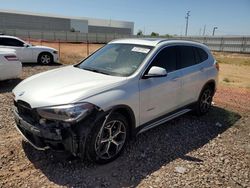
{"points": [[95, 70]]}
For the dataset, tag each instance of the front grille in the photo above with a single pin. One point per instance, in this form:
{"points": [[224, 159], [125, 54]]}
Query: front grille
{"points": [[26, 112]]}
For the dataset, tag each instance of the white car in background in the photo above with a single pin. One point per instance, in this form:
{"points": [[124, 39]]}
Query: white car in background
{"points": [[10, 66], [29, 53]]}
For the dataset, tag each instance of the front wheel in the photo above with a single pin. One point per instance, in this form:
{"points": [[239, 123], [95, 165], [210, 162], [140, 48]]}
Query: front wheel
{"points": [[45, 58], [108, 139], [205, 100]]}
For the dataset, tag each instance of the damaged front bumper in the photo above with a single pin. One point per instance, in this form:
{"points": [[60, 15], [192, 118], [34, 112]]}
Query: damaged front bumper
{"points": [[71, 138], [43, 138]]}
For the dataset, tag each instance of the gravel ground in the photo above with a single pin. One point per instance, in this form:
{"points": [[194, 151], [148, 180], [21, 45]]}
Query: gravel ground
{"points": [[209, 151]]}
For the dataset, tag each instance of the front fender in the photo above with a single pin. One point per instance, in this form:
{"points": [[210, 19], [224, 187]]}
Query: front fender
{"points": [[118, 97]]}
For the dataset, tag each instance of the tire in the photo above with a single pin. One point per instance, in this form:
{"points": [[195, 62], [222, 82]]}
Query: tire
{"points": [[107, 139], [205, 100], [45, 58]]}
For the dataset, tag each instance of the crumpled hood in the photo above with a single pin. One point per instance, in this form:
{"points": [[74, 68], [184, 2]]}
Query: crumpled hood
{"points": [[64, 85]]}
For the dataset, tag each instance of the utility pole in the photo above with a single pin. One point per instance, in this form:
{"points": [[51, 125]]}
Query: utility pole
{"points": [[188, 14], [204, 30], [214, 30]]}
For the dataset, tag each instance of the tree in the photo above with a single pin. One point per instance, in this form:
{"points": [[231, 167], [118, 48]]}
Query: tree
{"points": [[139, 33], [168, 36], [154, 34]]}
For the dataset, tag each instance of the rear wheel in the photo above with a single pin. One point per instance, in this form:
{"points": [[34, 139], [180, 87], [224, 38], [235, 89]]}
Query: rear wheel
{"points": [[108, 139], [45, 58], [205, 101]]}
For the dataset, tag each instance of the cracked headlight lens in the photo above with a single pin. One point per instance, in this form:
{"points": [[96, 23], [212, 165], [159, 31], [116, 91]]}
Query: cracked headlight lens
{"points": [[67, 113]]}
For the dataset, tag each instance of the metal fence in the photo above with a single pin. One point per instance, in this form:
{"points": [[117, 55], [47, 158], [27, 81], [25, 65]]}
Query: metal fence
{"points": [[222, 43]]}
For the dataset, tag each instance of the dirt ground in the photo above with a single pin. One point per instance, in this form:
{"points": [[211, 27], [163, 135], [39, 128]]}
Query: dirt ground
{"points": [[189, 151]]}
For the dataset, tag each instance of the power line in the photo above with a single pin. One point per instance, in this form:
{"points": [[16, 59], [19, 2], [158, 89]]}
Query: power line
{"points": [[188, 14]]}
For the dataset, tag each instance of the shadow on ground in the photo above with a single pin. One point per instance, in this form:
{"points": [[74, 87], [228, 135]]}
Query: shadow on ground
{"points": [[8, 85], [143, 156]]}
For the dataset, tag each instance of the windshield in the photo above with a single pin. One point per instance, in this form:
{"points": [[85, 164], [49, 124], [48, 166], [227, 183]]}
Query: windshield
{"points": [[116, 59]]}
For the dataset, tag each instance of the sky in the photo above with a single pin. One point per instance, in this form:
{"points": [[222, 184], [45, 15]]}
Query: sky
{"points": [[232, 17]]}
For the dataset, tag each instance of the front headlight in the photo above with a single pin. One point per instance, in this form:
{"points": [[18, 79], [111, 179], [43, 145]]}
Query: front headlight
{"points": [[66, 113], [55, 52]]}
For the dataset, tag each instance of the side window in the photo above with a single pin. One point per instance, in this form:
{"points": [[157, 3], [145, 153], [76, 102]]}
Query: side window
{"points": [[166, 59], [203, 55], [187, 56], [11, 42], [196, 55]]}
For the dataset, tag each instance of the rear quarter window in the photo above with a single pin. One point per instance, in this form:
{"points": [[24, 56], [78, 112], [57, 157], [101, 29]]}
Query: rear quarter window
{"points": [[203, 55]]}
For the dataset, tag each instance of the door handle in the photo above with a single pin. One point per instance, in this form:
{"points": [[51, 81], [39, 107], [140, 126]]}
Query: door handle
{"points": [[175, 78], [202, 69]]}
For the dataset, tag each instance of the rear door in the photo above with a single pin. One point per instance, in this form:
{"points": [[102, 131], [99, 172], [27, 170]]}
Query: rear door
{"points": [[193, 74], [159, 95]]}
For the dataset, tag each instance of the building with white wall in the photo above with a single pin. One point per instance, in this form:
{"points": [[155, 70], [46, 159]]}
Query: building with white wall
{"points": [[45, 22]]}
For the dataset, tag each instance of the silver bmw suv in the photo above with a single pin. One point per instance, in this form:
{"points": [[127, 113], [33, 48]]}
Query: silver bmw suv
{"points": [[125, 88]]}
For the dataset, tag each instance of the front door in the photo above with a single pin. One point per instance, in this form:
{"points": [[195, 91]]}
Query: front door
{"points": [[160, 95]]}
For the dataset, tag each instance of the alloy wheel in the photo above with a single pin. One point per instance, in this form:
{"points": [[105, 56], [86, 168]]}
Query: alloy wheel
{"points": [[206, 100], [110, 139], [45, 59]]}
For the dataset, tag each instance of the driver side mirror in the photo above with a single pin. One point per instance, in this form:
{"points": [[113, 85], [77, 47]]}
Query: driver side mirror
{"points": [[155, 72]]}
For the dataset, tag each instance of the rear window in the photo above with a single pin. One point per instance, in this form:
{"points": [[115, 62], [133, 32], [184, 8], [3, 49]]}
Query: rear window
{"points": [[191, 55], [187, 56]]}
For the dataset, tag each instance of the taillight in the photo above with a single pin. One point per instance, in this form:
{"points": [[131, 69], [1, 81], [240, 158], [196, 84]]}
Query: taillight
{"points": [[11, 57], [216, 64]]}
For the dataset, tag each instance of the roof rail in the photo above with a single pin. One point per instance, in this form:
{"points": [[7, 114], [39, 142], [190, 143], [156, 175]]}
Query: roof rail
{"points": [[163, 40]]}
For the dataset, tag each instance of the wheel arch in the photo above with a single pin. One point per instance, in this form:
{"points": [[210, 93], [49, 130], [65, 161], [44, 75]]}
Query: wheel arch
{"points": [[211, 84], [129, 115]]}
